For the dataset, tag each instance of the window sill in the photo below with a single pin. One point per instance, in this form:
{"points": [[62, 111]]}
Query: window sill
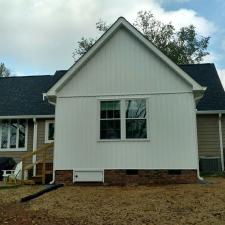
{"points": [[13, 149], [124, 140]]}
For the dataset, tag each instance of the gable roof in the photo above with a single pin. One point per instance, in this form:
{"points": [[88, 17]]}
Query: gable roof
{"points": [[23, 95], [206, 75], [121, 22], [20, 96]]}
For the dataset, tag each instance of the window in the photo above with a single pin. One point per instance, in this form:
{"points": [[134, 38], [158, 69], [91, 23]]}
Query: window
{"points": [[110, 120], [49, 131], [124, 119], [136, 119], [13, 134]]}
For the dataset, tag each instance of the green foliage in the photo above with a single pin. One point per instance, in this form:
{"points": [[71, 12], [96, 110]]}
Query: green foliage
{"points": [[83, 46], [4, 72], [102, 26], [184, 46]]}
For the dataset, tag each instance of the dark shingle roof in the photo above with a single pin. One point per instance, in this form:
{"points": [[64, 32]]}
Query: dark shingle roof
{"points": [[206, 75], [23, 95]]}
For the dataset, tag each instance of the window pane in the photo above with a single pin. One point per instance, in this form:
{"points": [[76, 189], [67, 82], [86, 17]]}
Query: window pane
{"points": [[13, 129], [136, 128], [4, 134], [136, 108], [51, 128], [110, 129], [22, 130], [110, 109]]}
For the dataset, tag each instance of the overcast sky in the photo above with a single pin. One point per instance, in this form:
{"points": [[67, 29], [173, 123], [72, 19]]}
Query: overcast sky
{"points": [[39, 36]]}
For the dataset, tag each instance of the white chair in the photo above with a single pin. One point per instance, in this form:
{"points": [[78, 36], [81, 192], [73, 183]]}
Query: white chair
{"points": [[14, 175]]}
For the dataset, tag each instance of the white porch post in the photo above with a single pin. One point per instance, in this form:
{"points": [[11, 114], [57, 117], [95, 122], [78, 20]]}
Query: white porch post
{"points": [[34, 145], [221, 141]]}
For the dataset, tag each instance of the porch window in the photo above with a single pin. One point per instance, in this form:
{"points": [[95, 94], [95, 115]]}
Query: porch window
{"points": [[49, 131], [110, 120], [13, 134]]}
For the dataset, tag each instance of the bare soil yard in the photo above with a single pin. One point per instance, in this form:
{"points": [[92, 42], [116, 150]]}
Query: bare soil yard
{"points": [[161, 205]]}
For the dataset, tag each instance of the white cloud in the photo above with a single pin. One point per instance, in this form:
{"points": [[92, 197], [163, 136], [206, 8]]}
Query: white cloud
{"points": [[221, 73], [211, 58], [40, 35]]}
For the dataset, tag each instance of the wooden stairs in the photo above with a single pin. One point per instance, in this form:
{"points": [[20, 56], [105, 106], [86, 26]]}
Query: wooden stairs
{"points": [[42, 158]]}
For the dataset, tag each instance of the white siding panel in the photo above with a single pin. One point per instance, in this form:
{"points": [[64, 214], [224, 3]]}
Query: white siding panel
{"points": [[124, 66], [172, 144]]}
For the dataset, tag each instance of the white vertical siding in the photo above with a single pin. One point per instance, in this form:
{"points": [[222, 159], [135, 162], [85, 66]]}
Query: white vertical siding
{"points": [[172, 142], [124, 66]]}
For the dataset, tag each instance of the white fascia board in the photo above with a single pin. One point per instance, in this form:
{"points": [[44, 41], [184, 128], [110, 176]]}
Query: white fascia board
{"points": [[28, 117], [211, 112], [121, 22]]}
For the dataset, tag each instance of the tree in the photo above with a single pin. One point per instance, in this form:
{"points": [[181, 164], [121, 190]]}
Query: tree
{"points": [[83, 46], [184, 46], [4, 72], [86, 43]]}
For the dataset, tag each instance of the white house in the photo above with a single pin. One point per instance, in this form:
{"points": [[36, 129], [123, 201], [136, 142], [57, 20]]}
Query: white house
{"points": [[125, 113]]}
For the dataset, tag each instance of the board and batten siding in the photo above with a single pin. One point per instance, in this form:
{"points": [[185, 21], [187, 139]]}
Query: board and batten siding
{"points": [[124, 68], [172, 143], [208, 135]]}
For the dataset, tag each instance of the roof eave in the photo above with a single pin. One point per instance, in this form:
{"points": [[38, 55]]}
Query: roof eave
{"points": [[199, 93], [26, 116]]}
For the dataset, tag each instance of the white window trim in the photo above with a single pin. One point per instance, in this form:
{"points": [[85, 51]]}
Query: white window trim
{"points": [[123, 120], [47, 122], [8, 149]]}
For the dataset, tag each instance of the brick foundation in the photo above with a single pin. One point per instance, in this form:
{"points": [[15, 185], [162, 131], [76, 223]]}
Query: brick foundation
{"points": [[120, 177], [64, 177]]}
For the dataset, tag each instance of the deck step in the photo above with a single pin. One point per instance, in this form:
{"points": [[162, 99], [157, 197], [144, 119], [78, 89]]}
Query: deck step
{"points": [[29, 182], [37, 179]]}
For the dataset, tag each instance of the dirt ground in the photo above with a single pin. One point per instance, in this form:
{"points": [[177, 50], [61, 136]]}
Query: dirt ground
{"points": [[202, 204]]}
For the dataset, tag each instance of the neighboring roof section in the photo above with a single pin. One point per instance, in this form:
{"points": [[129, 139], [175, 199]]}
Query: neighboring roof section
{"points": [[122, 22], [206, 75], [23, 95]]}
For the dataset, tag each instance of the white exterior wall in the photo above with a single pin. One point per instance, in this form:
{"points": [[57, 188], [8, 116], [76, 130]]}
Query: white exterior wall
{"points": [[172, 143], [124, 68]]}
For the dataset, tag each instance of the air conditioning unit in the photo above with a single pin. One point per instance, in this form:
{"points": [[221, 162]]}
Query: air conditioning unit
{"points": [[210, 164]]}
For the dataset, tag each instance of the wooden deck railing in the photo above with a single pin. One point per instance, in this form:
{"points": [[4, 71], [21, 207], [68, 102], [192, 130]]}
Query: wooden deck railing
{"points": [[42, 151]]}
